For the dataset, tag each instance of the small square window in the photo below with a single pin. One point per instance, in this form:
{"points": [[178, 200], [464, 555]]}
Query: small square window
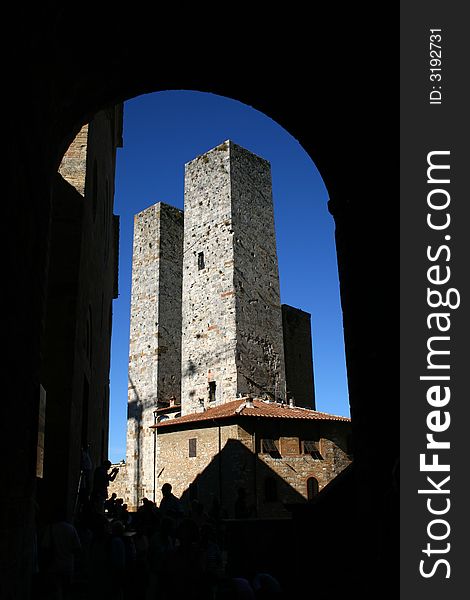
{"points": [[312, 448], [192, 447], [269, 447]]}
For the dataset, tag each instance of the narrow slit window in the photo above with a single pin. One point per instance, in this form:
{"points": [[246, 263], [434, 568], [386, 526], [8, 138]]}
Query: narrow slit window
{"points": [[212, 388], [192, 447], [200, 261]]}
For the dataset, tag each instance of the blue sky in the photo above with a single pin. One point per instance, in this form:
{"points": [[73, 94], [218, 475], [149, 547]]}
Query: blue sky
{"points": [[165, 130]]}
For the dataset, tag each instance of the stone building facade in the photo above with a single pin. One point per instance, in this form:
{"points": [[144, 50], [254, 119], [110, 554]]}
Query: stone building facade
{"points": [[155, 337], [82, 284], [279, 455], [297, 334], [232, 323], [207, 325]]}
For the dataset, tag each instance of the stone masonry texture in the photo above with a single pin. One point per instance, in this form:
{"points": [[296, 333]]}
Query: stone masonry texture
{"points": [[298, 356], [232, 325], [82, 284], [74, 162], [229, 456], [207, 327], [155, 336]]}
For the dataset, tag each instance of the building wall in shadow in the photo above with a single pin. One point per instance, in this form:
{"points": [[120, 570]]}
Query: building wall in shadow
{"points": [[82, 283], [215, 461], [297, 334]]}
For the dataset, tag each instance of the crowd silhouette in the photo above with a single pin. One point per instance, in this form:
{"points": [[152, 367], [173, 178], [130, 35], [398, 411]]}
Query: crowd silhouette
{"points": [[158, 552]]}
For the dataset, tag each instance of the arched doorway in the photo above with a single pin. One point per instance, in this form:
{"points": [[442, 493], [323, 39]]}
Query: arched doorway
{"points": [[312, 488]]}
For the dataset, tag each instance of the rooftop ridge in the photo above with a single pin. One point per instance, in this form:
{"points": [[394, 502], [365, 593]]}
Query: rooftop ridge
{"points": [[260, 408]]}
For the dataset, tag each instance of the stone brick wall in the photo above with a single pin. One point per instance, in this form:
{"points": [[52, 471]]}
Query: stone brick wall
{"points": [[231, 456], [209, 335], [232, 328], [260, 350], [174, 465], [155, 333], [73, 164], [120, 486], [206, 316], [297, 335], [294, 467], [80, 291]]}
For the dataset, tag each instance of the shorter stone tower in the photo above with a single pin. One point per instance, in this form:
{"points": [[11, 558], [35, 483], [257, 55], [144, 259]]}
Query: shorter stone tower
{"points": [[297, 332], [155, 335], [232, 339]]}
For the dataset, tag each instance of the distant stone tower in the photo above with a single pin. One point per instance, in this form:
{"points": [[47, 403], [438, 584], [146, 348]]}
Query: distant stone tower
{"points": [[232, 324], [155, 335], [297, 332]]}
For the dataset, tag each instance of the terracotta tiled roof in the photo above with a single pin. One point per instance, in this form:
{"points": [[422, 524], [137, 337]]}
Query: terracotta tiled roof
{"points": [[259, 409], [175, 408]]}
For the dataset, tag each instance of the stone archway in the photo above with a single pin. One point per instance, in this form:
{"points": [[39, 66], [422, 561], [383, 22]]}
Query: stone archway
{"points": [[65, 73]]}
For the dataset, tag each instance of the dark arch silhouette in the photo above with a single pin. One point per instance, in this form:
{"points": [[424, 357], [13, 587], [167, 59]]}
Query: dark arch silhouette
{"points": [[335, 108]]}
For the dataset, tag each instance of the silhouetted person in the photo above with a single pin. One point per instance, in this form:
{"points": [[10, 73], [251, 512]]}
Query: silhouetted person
{"points": [[242, 589], [123, 561], [147, 516], [62, 545], [266, 587], [101, 480], [161, 560], [118, 508], [100, 558], [138, 572], [212, 559], [190, 580], [110, 504], [125, 516], [170, 505]]}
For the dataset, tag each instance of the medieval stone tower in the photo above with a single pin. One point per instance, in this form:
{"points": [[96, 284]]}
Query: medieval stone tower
{"points": [[155, 335], [232, 323], [206, 320]]}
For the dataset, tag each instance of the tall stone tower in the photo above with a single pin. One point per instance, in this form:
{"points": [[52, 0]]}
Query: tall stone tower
{"points": [[155, 335], [232, 339]]}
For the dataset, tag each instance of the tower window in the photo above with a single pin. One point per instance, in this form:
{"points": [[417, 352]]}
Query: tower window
{"points": [[212, 387], [312, 448], [270, 447], [192, 447], [312, 488], [200, 261]]}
